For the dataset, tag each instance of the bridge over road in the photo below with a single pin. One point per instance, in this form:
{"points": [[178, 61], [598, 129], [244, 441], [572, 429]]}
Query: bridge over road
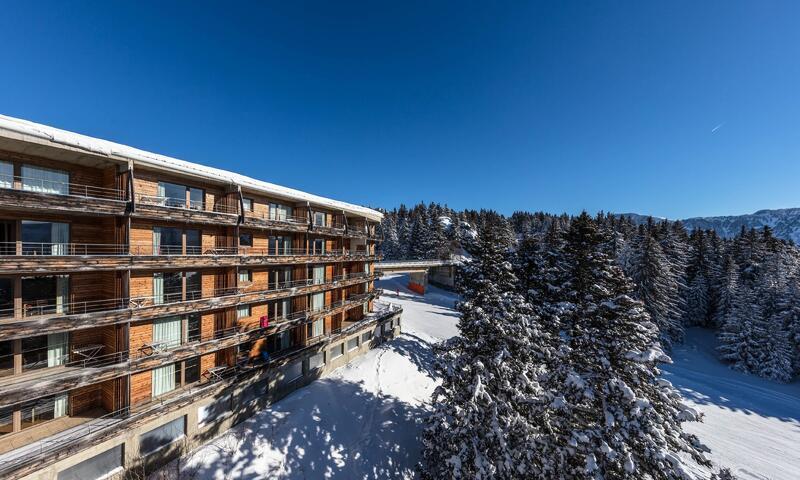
{"points": [[438, 272]]}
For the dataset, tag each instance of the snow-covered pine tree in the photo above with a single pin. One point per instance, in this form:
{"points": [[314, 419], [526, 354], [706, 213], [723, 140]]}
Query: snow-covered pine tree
{"points": [[657, 284], [610, 413], [483, 424]]}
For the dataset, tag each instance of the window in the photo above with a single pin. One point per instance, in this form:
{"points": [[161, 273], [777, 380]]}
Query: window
{"points": [[165, 379], [45, 295], [160, 437], [191, 370], [99, 466], [167, 332], [319, 219], [214, 410], [6, 360], [6, 420], [44, 409], [171, 194], [248, 204], [318, 274], [245, 276], [318, 246], [6, 175], [168, 287], [253, 391], [316, 361], [292, 372], [167, 241], [366, 337], [194, 243], [243, 311], [337, 351], [45, 180], [279, 212], [245, 239], [193, 285], [352, 344], [316, 328], [280, 245], [44, 238], [193, 327], [45, 351], [196, 201], [6, 297], [317, 302]]}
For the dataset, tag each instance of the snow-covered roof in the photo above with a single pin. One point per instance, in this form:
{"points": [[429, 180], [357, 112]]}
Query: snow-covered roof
{"points": [[31, 131]]}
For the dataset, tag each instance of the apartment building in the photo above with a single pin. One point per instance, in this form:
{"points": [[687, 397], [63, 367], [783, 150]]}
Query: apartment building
{"points": [[148, 303]]}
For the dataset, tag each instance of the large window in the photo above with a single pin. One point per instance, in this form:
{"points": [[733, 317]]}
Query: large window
{"points": [[279, 212], [245, 276], [194, 243], [194, 328], [44, 238], [6, 175], [317, 302], [45, 180], [174, 195], [196, 199], [319, 219], [45, 295], [291, 372], [191, 370], [167, 287], [245, 239], [167, 241], [6, 359], [316, 361], [44, 409], [44, 351], [316, 328], [243, 311], [162, 436], [318, 246], [6, 297], [99, 466], [194, 285], [248, 204], [167, 332], [337, 351], [317, 274], [352, 344], [280, 245], [6, 420], [165, 379]]}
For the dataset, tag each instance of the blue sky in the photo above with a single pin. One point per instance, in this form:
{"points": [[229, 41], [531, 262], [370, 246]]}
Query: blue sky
{"points": [[675, 109]]}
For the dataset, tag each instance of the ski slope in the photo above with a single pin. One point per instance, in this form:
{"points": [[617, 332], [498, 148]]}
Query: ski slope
{"points": [[362, 421], [752, 425]]}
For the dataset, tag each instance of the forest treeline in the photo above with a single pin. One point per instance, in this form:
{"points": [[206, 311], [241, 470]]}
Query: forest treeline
{"points": [[747, 288]]}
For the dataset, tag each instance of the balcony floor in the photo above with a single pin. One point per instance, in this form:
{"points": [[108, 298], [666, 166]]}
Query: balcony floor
{"points": [[49, 434]]}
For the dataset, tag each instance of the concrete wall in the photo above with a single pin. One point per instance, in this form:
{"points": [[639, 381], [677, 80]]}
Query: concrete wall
{"points": [[443, 277], [241, 409]]}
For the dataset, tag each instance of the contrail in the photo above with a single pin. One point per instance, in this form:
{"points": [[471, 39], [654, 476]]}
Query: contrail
{"points": [[713, 130]]}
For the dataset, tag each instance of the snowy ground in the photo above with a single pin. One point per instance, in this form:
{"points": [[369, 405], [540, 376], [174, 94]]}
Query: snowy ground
{"points": [[362, 421], [751, 425]]}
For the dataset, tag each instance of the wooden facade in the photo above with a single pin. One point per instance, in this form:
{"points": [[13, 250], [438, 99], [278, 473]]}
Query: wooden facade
{"points": [[82, 310]]}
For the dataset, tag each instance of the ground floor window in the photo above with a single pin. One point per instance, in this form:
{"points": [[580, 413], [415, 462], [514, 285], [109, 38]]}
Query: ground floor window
{"points": [[366, 336], [352, 344], [159, 437], [214, 410], [316, 361], [337, 351], [99, 466]]}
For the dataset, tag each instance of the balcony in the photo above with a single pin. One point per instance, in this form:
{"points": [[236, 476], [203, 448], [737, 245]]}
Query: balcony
{"points": [[49, 316], [47, 196], [183, 210], [276, 220], [29, 257]]}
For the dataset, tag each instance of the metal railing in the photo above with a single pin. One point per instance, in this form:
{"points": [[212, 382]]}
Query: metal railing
{"points": [[272, 216], [40, 185], [31, 308], [185, 204]]}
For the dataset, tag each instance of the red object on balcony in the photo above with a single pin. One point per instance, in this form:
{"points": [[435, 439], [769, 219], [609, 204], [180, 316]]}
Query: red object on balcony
{"points": [[264, 321]]}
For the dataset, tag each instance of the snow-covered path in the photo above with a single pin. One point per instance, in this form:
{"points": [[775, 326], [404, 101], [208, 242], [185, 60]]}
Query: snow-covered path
{"points": [[361, 422], [752, 425]]}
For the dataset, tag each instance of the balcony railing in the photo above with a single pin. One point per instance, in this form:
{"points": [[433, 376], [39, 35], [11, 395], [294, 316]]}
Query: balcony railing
{"points": [[40, 185], [186, 204], [273, 216], [21, 248], [31, 308]]}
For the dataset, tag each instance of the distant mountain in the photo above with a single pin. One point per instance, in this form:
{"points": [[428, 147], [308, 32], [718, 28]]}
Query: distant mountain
{"points": [[785, 223]]}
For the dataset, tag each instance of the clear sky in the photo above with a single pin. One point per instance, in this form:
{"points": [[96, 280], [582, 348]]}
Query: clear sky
{"points": [[674, 109]]}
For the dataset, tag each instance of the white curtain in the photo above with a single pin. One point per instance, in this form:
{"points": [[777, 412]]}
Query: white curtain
{"points": [[162, 190], [56, 349], [167, 332], [59, 237], [36, 179], [158, 288], [156, 241], [317, 302], [62, 293], [163, 380], [60, 406], [6, 175], [284, 337], [286, 306], [317, 328], [319, 274]]}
